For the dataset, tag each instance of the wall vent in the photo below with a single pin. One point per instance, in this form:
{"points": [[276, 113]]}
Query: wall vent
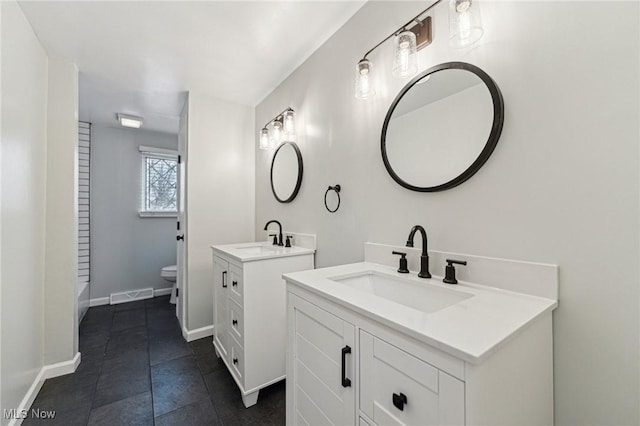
{"points": [[131, 296]]}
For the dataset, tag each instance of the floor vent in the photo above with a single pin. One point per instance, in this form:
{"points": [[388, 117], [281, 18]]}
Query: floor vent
{"points": [[130, 296]]}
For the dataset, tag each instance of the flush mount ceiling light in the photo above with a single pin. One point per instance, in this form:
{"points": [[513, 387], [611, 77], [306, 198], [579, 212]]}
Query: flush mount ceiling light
{"points": [[129, 121], [283, 129], [465, 28]]}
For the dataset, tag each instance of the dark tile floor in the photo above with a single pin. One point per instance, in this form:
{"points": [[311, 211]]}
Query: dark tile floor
{"points": [[137, 369]]}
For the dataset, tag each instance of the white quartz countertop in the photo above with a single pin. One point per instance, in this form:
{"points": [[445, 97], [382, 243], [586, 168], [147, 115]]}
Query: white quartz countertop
{"points": [[470, 329], [248, 252]]}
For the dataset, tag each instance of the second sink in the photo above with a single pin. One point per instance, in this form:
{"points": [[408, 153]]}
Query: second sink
{"points": [[257, 249]]}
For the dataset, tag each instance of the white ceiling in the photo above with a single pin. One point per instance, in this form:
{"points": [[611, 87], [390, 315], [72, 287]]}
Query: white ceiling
{"points": [[142, 57]]}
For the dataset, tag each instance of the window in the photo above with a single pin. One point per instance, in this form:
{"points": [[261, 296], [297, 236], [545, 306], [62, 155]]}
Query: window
{"points": [[159, 182]]}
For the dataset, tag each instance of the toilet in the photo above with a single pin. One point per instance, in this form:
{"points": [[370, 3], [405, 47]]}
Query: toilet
{"points": [[169, 274]]}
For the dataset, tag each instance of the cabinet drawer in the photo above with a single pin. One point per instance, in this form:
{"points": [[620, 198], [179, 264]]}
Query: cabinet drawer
{"points": [[236, 321], [236, 285], [236, 360], [400, 389]]}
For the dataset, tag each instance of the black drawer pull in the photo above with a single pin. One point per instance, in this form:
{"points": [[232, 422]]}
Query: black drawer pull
{"points": [[234, 283], [346, 383], [224, 279], [234, 322], [235, 360], [399, 401]]}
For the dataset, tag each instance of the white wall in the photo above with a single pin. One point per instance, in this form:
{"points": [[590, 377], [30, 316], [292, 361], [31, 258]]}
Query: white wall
{"points": [[561, 187], [24, 136], [127, 251], [61, 256], [220, 192]]}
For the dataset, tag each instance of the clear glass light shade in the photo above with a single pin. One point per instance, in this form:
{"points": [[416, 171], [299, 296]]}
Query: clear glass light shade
{"points": [[289, 125], [277, 133], [264, 139], [465, 23], [364, 84], [405, 62]]}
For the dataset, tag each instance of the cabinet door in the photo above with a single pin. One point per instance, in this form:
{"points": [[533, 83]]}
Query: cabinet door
{"points": [[320, 367], [400, 389], [220, 312]]}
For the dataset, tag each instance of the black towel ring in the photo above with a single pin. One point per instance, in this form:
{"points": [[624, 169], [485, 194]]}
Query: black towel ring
{"points": [[337, 190]]}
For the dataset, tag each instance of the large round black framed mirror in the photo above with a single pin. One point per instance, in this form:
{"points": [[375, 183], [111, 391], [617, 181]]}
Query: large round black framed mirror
{"points": [[286, 172], [442, 127]]}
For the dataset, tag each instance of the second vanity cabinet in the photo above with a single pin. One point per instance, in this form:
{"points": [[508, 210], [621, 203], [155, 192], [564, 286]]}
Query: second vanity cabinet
{"points": [[250, 312]]}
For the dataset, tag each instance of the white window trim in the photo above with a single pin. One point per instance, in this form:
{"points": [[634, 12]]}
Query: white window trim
{"points": [[158, 152], [158, 214], [151, 151]]}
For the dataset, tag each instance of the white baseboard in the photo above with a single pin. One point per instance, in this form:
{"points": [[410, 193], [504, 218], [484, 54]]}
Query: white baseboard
{"points": [[99, 301], [105, 300], [46, 372], [62, 368], [162, 291], [198, 333]]}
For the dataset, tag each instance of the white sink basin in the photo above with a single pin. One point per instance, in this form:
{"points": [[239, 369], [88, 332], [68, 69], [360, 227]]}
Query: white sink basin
{"points": [[258, 249], [424, 297]]}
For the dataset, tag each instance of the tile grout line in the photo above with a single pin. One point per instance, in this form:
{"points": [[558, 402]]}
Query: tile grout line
{"points": [[146, 322], [104, 354]]}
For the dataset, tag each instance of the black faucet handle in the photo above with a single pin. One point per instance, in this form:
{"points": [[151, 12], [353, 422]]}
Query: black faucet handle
{"points": [[275, 239], [403, 269], [450, 271], [288, 242]]}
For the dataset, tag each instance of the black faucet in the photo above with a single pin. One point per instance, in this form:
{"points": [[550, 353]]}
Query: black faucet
{"points": [[424, 257], [277, 241]]}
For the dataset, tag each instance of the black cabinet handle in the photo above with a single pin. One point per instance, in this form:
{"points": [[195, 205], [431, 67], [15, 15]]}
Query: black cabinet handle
{"points": [[346, 383], [235, 322], [234, 283], [224, 279], [179, 237], [235, 360], [399, 401]]}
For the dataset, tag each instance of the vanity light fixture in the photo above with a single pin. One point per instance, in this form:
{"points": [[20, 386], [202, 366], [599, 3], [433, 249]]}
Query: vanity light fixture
{"points": [[283, 129], [465, 28], [465, 23], [364, 88], [264, 138], [405, 63], [129, 121], [289, 125]]}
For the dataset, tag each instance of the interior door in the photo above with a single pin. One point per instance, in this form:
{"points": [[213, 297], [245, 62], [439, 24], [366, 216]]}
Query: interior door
{"points": [[181, 227]]}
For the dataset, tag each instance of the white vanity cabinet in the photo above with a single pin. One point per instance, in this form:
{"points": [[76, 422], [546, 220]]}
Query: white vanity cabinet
{"points": [[328, 366], [388, 377], [250, 312], [321, 366]]}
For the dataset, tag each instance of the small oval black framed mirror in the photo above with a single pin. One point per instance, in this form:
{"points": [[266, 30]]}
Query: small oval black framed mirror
{"points": [[442, 127], [286, 172]]}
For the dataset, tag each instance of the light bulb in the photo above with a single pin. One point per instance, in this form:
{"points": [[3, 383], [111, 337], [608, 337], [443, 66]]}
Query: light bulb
{"points": [[264, 138], [289, 125], [364, 86], [405, 62], [465, 23], [277, 132], [462, 5]]}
